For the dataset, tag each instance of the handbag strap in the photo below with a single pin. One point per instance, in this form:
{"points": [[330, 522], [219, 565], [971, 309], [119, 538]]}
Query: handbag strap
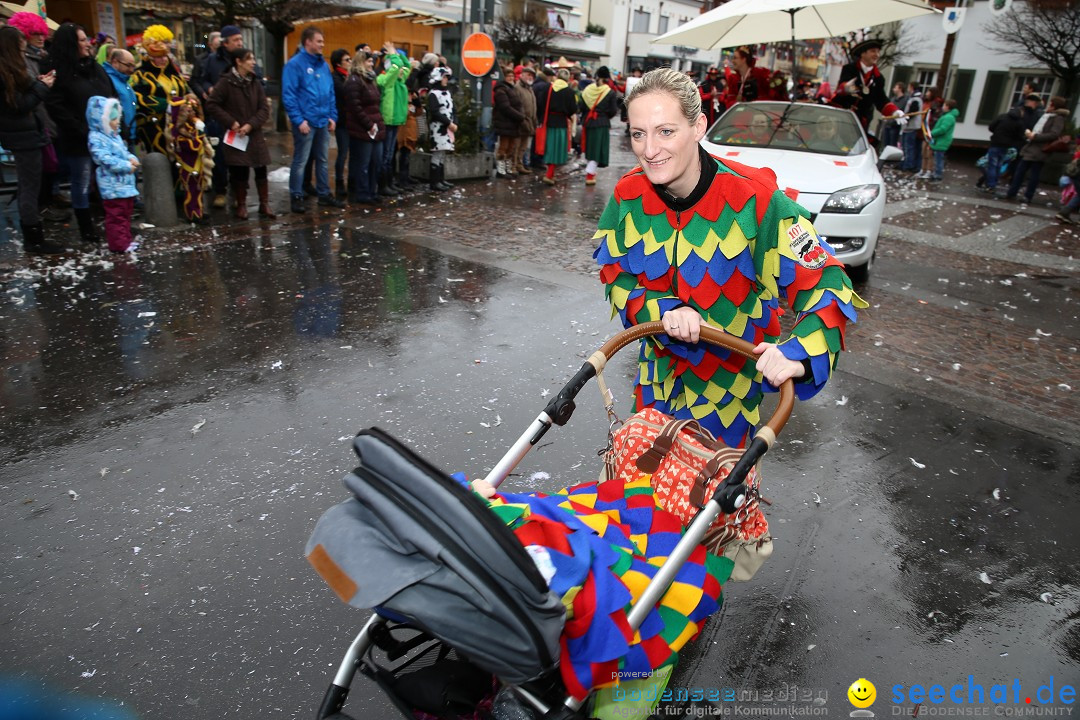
{"points": [[547, 109], [722, 457], [649, 460]]}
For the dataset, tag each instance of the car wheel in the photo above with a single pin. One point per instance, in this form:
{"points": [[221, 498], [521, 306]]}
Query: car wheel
{"points": [[861, 273]]}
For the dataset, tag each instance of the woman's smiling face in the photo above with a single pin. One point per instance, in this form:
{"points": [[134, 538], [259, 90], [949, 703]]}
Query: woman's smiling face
{"points": [[665, 142]]}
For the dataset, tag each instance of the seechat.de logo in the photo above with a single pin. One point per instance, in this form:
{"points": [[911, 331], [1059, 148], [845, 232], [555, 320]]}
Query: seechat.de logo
{"points": [[862, 695]]}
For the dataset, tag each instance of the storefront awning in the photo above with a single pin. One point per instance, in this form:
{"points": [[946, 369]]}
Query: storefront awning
{"points": [[417, 17]]}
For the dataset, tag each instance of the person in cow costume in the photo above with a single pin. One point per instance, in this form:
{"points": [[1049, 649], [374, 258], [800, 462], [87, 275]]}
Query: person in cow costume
{"points": [[441, 126]]}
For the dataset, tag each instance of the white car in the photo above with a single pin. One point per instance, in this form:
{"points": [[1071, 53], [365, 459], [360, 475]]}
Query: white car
{"points": [[822, 159]]}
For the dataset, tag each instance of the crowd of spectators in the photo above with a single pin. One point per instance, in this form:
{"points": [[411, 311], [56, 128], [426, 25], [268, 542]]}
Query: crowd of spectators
{"points": [[378, 107]]}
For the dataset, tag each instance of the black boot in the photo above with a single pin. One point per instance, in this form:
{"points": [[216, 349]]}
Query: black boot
{"points": [[403, 179], [35, 242], [339, 188], [390, 184], [443, 185], [435, 178], [87, 231], [384, 190]]}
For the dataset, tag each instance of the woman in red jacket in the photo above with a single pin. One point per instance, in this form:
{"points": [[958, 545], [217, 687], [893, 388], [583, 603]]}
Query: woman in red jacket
{"points": [[746, 82]]}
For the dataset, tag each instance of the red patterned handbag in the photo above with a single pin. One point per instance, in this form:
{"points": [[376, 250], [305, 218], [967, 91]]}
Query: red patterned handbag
{"points": [[686, 464]]}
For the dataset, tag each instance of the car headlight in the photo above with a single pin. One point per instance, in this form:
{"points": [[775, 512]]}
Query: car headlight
{"points": [[851, 200]]}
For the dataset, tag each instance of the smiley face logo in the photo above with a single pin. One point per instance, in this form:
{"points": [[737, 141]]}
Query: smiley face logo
{"points": [[862, 693]]}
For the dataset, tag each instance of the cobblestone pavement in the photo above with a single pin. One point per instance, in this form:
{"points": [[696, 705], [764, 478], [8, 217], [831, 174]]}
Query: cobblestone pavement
{"points": [[972, 298]]}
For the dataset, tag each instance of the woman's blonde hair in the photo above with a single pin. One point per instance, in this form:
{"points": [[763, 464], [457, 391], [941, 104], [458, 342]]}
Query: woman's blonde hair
{"points": [[675, 84], [356, 67]]}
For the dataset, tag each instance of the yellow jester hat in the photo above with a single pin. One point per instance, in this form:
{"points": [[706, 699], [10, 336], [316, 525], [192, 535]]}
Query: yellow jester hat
{"points": [[155, 40]]}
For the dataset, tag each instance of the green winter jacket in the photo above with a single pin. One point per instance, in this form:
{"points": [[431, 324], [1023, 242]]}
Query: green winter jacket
{"points": [[394, 105], [943, 130]]}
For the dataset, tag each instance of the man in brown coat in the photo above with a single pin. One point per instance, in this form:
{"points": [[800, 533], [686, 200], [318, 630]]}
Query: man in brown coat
{"points": [[1032, 156], [528, 128]]}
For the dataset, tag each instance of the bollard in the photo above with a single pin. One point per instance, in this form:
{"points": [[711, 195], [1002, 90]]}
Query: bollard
{"points": [[159, 194]]}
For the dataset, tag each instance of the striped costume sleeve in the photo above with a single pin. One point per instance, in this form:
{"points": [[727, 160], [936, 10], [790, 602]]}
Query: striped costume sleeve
{"points": [[635, 264], [793, 260]]}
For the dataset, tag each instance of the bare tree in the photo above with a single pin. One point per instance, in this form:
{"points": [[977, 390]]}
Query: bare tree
{"points": [[1047, 32], [522, 33], [898, 43]]}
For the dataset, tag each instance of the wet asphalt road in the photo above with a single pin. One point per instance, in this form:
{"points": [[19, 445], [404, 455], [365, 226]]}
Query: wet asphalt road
{"points": [[172, 429]]}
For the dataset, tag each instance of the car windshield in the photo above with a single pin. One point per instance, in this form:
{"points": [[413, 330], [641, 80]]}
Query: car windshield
{"points": [[799, 126]]}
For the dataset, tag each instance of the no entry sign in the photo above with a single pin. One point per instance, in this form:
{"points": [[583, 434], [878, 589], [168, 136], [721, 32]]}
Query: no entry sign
{"points": [[478, 54]]}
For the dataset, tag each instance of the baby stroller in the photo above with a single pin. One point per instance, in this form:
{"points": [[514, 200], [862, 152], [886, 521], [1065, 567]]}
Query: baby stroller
{"points": [[1006, 166], [460, 608]]}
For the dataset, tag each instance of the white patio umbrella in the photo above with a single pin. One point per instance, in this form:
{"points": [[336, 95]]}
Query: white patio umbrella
{"points": [[748, 22]]}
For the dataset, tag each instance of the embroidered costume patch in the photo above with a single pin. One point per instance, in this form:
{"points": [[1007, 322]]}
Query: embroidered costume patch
{"points": [[806, 247]]}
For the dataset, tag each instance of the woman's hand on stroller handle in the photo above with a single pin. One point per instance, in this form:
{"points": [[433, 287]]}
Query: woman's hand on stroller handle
{"points": [[775, 366], [712, 335]]}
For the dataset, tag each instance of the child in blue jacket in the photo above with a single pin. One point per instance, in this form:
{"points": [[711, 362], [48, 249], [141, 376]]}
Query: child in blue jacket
{"points": [[115, 170]]}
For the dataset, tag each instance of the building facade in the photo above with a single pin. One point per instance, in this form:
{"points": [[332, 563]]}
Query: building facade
{"points": [[632, 25], [985, 81]]}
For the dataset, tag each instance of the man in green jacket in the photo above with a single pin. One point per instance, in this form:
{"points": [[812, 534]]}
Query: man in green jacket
{"points": [[394, 107], [943, 134]]}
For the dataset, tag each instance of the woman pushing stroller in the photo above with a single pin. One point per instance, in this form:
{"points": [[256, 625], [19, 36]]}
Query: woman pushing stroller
{"points": [[689, 239], [608, 581]]}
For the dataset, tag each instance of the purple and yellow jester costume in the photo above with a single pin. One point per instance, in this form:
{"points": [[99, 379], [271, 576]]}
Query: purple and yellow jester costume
{"points": [[191, 153], [728, 251]]}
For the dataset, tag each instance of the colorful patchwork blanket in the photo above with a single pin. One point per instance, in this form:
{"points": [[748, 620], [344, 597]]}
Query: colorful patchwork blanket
{"points": [[598, 545]]}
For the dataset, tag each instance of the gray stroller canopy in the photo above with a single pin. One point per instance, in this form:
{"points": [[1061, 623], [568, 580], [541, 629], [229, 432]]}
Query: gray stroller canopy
{"points": [[417, 546]]}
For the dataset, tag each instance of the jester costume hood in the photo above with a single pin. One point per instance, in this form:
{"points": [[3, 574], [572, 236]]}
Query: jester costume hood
{"points": [[729, 251]]}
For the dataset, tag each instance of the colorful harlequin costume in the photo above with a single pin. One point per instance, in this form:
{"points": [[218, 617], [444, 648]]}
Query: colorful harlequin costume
{"points": [[727, 251], [155, 87], [191, 152], [598, 545]]}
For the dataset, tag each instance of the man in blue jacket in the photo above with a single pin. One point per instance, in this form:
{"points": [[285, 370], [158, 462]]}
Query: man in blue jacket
{"points": [[307, 92], [120, 66]]}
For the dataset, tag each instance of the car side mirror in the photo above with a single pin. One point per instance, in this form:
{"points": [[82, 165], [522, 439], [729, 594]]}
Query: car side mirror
{"points": [[889, 154]]}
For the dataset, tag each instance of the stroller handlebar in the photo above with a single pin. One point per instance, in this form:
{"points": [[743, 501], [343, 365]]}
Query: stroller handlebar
{"points": [[561, 407], [713, 336]]}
